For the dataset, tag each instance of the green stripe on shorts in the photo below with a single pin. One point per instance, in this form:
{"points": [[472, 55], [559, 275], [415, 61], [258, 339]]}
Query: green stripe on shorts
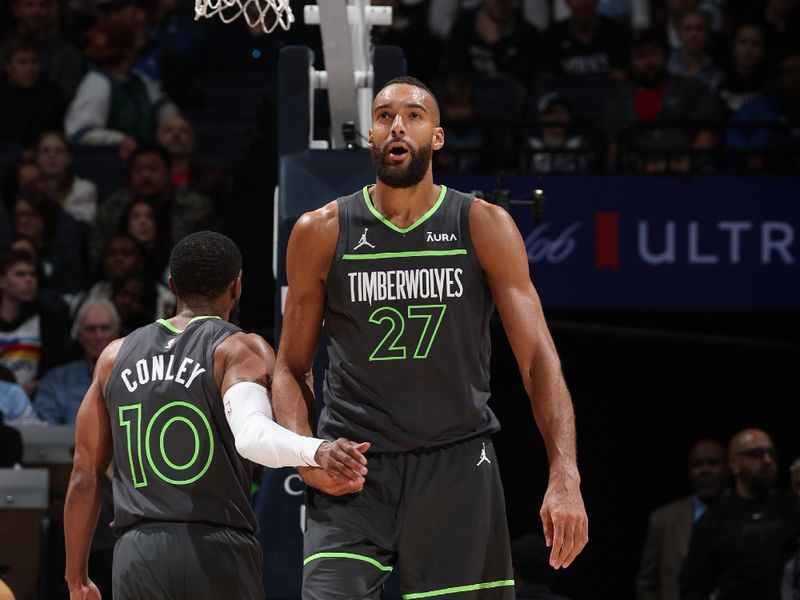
{"points": [[350, 556], [460, 588]]}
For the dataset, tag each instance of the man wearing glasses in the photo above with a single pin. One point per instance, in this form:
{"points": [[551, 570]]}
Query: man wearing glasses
{"points": [[740, 545]]}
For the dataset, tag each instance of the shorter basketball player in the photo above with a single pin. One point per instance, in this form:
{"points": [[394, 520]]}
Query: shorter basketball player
{"points": [[182, 406]]}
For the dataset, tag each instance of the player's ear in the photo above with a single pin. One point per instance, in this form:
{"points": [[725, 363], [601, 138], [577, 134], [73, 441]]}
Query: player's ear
{"points": [[438, 138], [171, 285], [236, 287], [370, 143]]}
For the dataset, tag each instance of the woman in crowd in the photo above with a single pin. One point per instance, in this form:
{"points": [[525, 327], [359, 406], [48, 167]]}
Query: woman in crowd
{"points": [[149, 226], [75, 195]]}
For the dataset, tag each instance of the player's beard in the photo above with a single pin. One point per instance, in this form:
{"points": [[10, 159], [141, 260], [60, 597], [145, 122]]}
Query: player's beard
{"points": [[397, 176]]}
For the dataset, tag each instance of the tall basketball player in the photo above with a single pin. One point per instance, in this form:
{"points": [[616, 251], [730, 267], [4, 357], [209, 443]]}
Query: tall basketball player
{"points": [[405, 275], [182, 407]]}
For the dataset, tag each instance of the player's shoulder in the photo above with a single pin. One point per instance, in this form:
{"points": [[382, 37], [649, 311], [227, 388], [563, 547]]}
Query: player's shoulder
{"points": [[488, 221], [109, 353], [107, 360], [312, 244], [244, 343], [320, 220]]}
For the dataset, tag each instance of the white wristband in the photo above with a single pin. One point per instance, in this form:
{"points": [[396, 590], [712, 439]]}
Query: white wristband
{"points": [[258, 437]]}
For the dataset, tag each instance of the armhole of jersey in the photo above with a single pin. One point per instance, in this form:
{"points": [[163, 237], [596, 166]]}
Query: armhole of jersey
{"points": [[466, 234], [212, 349], [121, 351]]}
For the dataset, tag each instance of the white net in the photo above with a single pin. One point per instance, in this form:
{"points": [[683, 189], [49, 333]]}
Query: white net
{"points": [[266, 14]]}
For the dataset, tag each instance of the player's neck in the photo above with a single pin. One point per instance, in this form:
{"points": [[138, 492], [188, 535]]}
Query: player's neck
{"points": [[186, 312], [405, 206]]}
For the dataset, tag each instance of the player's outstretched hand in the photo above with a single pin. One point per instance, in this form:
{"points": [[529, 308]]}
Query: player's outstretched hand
{"points": [[330, 484], [343, 458], [84, 592], [566, 526]]}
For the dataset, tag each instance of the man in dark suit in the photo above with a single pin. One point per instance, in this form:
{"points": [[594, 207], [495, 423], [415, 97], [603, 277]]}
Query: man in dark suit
{"points": [[738, 549], [670, 525]]}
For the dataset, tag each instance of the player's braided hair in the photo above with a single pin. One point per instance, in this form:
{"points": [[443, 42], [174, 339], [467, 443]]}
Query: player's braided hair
{"points": [[203, 264]]}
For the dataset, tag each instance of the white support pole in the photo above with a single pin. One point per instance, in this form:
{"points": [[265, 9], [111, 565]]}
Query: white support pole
{"points": [[346, 43], [339, 62]]}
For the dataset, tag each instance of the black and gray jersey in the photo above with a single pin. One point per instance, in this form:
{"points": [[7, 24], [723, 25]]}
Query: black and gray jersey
{"points": [[175, 456], [407, 322]]}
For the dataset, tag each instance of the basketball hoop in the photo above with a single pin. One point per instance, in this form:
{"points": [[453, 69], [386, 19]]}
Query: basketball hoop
{"points": [[267, 14]]}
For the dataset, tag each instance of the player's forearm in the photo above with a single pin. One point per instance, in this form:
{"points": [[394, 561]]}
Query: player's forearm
{"points": [[81, 509], [293, 400], [553, 412]]}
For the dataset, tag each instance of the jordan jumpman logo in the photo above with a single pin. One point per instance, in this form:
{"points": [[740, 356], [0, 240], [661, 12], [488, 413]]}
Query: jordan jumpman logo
{"points": [[483, 458], [363, 241]]}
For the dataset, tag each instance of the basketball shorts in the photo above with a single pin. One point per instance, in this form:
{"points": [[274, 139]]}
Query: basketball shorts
{"points": [[186, 561], [437, 516]]}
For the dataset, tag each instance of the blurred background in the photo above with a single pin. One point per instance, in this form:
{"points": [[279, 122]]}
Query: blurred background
{"points": [[649, 151]]}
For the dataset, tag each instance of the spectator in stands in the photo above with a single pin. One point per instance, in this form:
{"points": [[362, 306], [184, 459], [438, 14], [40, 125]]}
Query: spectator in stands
{"points": [[129, 13], [739, 547], [178, 137], [420, 48], [62, 388], [778, 147], [124, 256], [465, 138], [587, 44], [782, 18], [173, 53], [533, 574], [149, 175], [494, 41], [674, 111], [636, 13], [539, 13], [61, 62], [115, 105], [32, 338], [49, 298], [744, 79], [670, 19], [14, 402], [24, 175], [442, 14], [559, 149], [670, 525], [60, 240], [135, 297], [692, 59], [77, 196], [28, 105], [147, 225]]}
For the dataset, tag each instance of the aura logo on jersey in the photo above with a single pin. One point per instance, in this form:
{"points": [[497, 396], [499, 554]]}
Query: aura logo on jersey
{"points": [[431, 236]]}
